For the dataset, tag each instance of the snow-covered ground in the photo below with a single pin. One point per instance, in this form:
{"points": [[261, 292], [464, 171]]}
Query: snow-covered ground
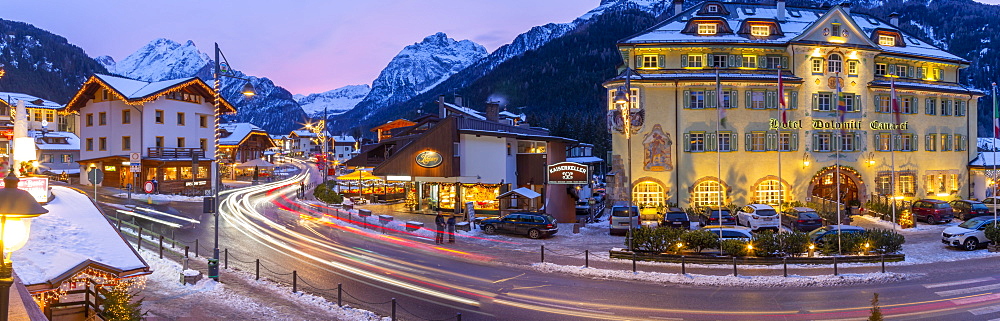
{"points": [[160, 197], [240, 298]]}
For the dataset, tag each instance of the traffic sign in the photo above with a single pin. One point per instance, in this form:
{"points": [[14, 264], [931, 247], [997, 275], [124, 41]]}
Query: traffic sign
{"points": [[134, 157], [95, 176], [148, 187], [135, 168]]}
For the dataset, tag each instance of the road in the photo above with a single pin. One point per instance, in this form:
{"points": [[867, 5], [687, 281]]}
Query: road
{"points": [[483, 283]]}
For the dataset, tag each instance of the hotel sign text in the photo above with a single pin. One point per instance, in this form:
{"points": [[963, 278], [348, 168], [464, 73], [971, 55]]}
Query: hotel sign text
{"points": [[775, 124]]}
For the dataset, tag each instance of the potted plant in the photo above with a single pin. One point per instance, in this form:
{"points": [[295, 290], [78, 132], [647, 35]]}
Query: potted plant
{"points": [[993, 234]]}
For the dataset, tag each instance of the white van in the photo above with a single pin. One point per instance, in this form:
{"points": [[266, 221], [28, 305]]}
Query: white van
{"points": [[622, 219]]}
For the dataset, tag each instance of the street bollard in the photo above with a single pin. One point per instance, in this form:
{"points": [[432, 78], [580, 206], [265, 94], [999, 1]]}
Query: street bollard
{"points": [[186, 248], [784, 262], [459, 316], [138, 242], [196, 247], [835, 266], [258, 270], [161, 246], [683, 265], [633, 262], [225, 262], [883, 263], [586, 258], [393, 309], [543, 253], [734, 267], [295, 281], [340, 295]]}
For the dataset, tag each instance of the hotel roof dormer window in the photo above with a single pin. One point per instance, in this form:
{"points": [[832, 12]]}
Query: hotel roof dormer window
{"points": [[713, 8], [760, 30], [707, 28], [886, 40]]}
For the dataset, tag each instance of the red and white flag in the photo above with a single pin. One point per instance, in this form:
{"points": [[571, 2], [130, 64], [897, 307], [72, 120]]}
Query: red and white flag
{"points": [[894, 102], [781, 98]]}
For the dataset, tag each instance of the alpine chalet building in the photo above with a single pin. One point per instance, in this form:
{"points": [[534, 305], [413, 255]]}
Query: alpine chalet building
{"points": [[676, 146]]}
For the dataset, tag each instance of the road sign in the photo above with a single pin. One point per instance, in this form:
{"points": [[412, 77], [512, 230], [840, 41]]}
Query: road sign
{"points": [[148, 187], [95, 176], [135, 169], [134, 157]]}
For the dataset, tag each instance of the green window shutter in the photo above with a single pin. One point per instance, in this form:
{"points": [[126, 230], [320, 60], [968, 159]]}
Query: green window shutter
{"points": [[712, 142], [793, 98], [815, 101], [734, 99], [687, 142], [684, 61], [762, 62], [709, 60], [920, 72], [784, 62], [748, 99], [687, 99], [915, 140], [772, 141], [794, 144], [734, 61], [661, 61], [858, 102], [892, 69], [857, 142], [710, 99], [734, 142], [815, 142], [915, 108], [638, 61], [909, 72], [748, 143]]}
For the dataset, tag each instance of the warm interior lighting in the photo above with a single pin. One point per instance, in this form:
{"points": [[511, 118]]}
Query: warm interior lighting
{"points": [[899, 197], [942, 194]]}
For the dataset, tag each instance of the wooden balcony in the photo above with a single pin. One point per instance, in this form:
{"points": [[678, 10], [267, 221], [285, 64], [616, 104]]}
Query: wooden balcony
{"points": [[174, 153]]}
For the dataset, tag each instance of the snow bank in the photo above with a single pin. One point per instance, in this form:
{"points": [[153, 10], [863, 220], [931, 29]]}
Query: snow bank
{"points": [[161, 197], [728, 281]]}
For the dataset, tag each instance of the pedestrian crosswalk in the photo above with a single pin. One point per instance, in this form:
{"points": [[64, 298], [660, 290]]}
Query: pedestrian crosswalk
{"points": [[980, 297]]}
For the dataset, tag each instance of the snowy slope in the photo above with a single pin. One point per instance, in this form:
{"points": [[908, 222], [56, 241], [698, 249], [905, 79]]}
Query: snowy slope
{"points": [[162, 59], [334, 101], [419, 67]]}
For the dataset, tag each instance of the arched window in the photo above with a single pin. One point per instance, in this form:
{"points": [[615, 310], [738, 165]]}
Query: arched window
{"points": [[769, 192], [708, 193], [834, 64], [648, 194]]}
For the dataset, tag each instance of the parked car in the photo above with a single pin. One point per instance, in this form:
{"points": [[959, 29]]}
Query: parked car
{"points": [[728, 232], [677, 218], [992, 202], [534, 225], [817, 235], [649, 217], [718, 216], [758, 216], [801, 219], [621, 220], [968, 235], [967, 209], [932, 211]]}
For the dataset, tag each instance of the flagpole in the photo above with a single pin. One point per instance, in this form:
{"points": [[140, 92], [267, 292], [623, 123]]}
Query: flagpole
{"points": [[839, 144], [996, 122], [782, 105], [892, 150], [718, 152]]}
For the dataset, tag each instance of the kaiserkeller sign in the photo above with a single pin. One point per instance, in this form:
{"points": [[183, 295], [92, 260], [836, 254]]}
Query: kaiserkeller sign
{"points": [[568, 173]]}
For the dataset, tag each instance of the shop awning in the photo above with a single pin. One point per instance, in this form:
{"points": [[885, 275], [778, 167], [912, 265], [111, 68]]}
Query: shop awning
{"points": [[255, 162], [585, 160], [354, 176], [522, 191]]}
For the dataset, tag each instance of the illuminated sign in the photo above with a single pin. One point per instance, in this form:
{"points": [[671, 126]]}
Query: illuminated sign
{"points": [[429, 159], [567, 173], [38, 187], [775, 124]]}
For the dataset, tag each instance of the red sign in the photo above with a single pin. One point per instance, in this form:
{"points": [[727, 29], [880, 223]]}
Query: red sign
{"points": [[7, 133], [38, 187], [148, 187]]}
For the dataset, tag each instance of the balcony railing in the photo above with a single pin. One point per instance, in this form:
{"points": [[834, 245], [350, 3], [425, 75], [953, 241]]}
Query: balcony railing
{"points": [[178, 153]]}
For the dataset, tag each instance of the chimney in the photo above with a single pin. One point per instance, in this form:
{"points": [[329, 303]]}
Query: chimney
{"points": [[493, 111], [894, 19], [678, 6], [441, 111], [846, 6], [781, 10], [458, 100]]}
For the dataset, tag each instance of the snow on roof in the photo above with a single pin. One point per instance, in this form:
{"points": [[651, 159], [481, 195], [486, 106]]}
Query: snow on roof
{"points": [[238, 131], [303, 133], [133, 89], [72, 141], [797, 21], [985, 159], [344, 139], [523, 191], [584, 159], [73, 232], [29, 101], [465, 110]]}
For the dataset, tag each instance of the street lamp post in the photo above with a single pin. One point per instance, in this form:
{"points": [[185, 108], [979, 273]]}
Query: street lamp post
{"points": [[623, 99], [248, 90], [16, 208]]}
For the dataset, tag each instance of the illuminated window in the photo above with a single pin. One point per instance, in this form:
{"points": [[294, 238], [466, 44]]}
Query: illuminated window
{"points": [[883, 142], [758, 141], [822, 142], [695, 61], [648, 194], [697, 142], [749, 61], [707, 28], [882, 104], [835, 64], [708, 193], [530, 147], [906, 105], [907, 184], [769, 192], [757, 99], [649, 62], [906, 142], [760, 30], [852, 67], [931, 142], [884, 40], [945, 142]]}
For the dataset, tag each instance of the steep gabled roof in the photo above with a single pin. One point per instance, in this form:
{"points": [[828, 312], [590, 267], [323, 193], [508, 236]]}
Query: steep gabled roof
{"points": [[238, 132], [10, 99], [135, 92]]}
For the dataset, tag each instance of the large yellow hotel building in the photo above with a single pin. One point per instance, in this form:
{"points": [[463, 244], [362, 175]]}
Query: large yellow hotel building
{"points": [[674, 142]]}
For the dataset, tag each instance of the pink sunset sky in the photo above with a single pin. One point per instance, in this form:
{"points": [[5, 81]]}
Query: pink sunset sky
{"points": [[306, 46]]}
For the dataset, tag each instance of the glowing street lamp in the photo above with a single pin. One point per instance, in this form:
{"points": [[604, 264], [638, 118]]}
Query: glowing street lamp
{"points": [[17, 208]]}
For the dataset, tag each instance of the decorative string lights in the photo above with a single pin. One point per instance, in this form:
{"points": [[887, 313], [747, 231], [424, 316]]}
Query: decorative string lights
{"points": [[80, 281]]}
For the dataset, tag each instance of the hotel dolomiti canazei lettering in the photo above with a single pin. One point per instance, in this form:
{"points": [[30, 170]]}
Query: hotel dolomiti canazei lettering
{"points": [[775, 124]]}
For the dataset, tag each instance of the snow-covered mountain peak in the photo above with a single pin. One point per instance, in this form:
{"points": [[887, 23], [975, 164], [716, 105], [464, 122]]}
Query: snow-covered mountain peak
{"points": [[163, 59], [335, 101]]}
